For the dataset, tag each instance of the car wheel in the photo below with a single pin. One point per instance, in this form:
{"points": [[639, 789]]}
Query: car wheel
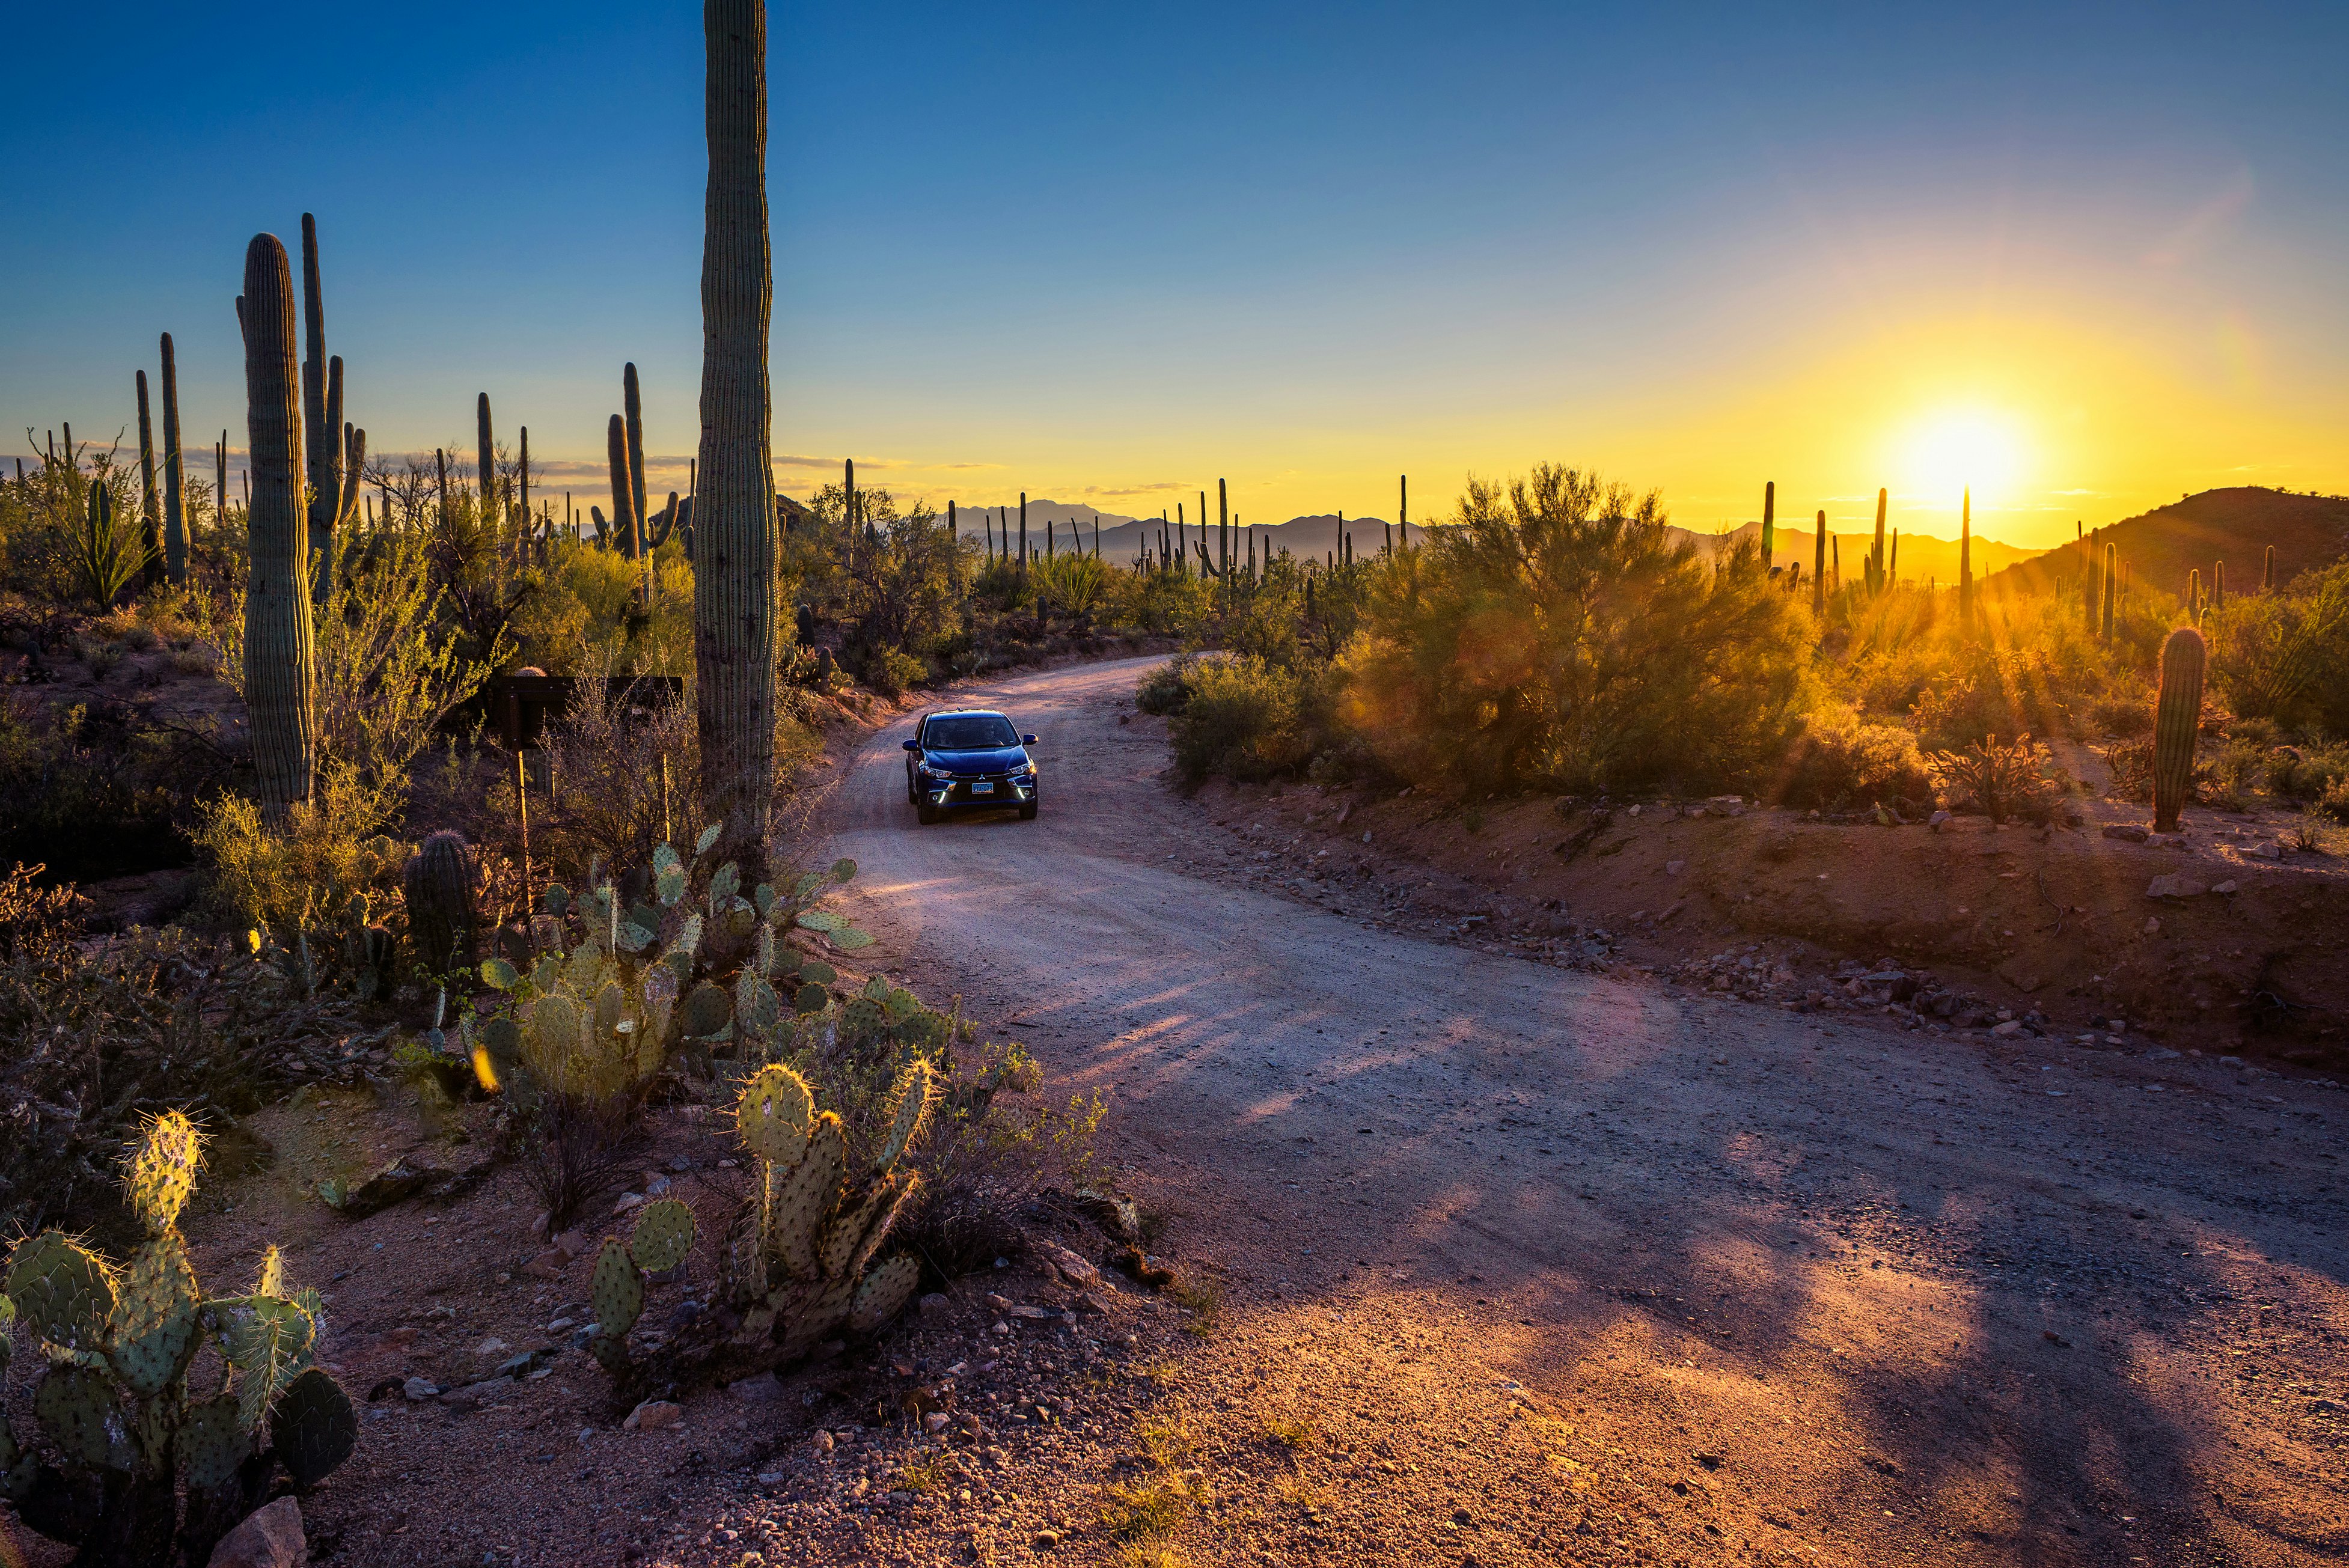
{"points": [[1027, 812], [925, 814]]}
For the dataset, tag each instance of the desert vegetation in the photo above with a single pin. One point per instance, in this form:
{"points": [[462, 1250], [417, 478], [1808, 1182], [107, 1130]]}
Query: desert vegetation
{"points": [[1553, 637]]}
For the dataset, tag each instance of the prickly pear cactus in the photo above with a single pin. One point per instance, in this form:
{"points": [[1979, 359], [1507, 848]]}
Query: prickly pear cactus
{"points": [[113, 1409]]}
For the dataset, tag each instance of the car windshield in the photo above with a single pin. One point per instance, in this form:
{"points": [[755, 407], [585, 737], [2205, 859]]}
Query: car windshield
{"points": [[970, 732]]}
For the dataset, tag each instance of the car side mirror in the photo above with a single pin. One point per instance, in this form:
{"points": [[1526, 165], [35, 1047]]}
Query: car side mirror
{"points": [[1027, 740], [911, 745]]}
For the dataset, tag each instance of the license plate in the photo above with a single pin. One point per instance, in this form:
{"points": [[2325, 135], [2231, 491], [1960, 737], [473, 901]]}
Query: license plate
{"points": [[982, 788]]}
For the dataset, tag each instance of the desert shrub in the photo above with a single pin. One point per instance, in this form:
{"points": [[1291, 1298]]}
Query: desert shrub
{"points": [[1559, 635], [37, 923], [1072, 585], [1164, 688], [302, 875], [2307, 772], [1243, 719], [589, 598], [2001, 780], [1839, 759], [2125, 712], [2285, 656], [893, 672], [621, 773]]}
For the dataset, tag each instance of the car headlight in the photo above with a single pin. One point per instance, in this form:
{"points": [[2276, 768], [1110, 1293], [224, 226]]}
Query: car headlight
{"points": [[925, 770], [1023, 770]]}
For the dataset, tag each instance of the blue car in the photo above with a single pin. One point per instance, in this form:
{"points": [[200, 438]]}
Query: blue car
{"points": [[969, 761]]}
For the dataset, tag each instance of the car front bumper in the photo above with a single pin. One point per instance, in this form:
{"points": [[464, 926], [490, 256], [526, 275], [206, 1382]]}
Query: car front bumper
{"points": [[955, 794]]}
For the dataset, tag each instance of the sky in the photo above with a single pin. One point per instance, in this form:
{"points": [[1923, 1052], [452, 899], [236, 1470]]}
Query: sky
{"points": [[2080, 259]]}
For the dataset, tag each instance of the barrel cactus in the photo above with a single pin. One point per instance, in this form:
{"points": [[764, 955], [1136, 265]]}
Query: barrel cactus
{"points": [[280, 650], [131, 1462], [439, 884], [2177, 717]]}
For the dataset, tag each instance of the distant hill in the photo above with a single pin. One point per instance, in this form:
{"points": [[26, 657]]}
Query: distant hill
{"points": [[2234, 525], [1922, 558]]}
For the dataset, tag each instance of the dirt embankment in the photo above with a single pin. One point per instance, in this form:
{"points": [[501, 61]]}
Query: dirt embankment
{"points": [[2223, 938]]}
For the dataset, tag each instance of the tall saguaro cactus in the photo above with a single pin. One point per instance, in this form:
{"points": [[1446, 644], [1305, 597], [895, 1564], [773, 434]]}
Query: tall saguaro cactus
{"points": [[2177, 716], [1769, 519], [734, 543], [2112, 575], [175, 490], [623, 486], [151, 514], [279, 654], [632, 404], [1878, 578], [1820, 564], [1966, 558]]}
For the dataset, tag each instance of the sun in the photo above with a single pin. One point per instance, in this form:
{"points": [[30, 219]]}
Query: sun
{"points": [[1964, 448]]}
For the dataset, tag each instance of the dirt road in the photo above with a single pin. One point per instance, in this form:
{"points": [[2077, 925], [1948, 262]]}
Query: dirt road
{"points": [[1522, 1264]]}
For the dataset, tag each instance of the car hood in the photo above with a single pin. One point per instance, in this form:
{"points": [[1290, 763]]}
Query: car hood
{"points": [[997, 761]]}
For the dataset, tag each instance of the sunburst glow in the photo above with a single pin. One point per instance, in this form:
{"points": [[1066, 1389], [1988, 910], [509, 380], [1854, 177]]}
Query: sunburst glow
{"points": [[1961, 449]]}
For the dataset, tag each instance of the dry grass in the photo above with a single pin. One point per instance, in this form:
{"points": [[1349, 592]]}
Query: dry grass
{"points": [[1203, 1300], [1148, 1508], [1297, 1434]]}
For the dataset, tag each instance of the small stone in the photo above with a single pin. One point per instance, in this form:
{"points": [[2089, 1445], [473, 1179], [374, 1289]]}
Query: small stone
{"points": [[935, 1421], [2225, 887], [1072, 1268], [2128, 832], [572, 1242], [764, 1388], [628, 1200], [823, 1443], [653, 1415], [548, 1265], [1047, 1539], [2176, 885], [935, 1304], [269, 1537], [2012, 1027], [488, 1347], [1674, 868], [421, 1389]]}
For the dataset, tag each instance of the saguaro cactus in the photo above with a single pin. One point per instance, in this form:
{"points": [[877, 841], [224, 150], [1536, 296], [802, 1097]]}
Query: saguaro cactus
{"points": [[2218, 585], [1820, 564], [1769, 519], [734, 536], [279, 652], [485, 467], [1966, 558], [2113, 588], [624, 486], [2267, 576], [632, 404], [2176, 718], [439, 886], [150, 513], [1877, 579], [175, 518], [334, 453]]}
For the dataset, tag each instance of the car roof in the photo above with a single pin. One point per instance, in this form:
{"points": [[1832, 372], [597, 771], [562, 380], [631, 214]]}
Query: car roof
{"points": [[964, 713]]}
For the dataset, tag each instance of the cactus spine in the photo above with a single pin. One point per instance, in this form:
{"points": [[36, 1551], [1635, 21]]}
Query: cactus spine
{"points": [[151, 512], [175, 521], [2176, 718], [734, 537], [280, 654]]}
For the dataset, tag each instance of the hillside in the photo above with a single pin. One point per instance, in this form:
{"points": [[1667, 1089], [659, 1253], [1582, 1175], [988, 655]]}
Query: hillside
{"points": [[2234, 525]]}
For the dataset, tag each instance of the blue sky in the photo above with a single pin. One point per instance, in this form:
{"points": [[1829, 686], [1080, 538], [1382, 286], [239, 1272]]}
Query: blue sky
{"points": [[1108, 254]]}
